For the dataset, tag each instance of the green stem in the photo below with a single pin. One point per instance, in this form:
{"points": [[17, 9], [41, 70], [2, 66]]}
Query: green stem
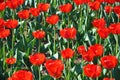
{"points": [[80, 15], [54, 3], [12, 42], [54, 39], [44, 20], [108, 19], [68, 71], [116, 44], [97, 78], [0, 15], [39, 73], [64, 1], [68, 43], [4, 55], [68, 20], [72, 44], [11, 69], [110, 74], [37, 1], [91, 79], [82, 70], [25, 29], [39, 44], [56, 79], [13, 16], [96, 38], [100, 40], [97, 14], [118, 20]]}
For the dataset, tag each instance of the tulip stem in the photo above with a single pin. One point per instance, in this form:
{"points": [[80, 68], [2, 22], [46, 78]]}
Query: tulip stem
{"points": [[116, 44], [83, 71], [13, 16], [56, 79], [80, 15], [72, 44], [25, 28], [68, 43], [11, 68], [37, 1], [68, 71], [39, 44], [54, 39], [118, 20], [110, 74], [44, 18], [97, 78], [96, 38], [12, 42], [100, 40], [68, 20], [39, 73], [4, 54], [54, 3]]}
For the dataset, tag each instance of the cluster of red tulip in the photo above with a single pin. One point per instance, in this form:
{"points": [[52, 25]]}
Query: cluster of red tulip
{"points": [[104, 31], [55, 67]]}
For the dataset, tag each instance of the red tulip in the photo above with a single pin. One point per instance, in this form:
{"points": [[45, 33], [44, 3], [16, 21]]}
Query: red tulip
{"points": [[68, 33], [22, 75], [12, 4], [53, 19], [109, 62], [117, 10], [1, 1], [2, 22], [39, 34], [66, 8], [2, 6], [43, 7], [24, 14], [67, 53], [11, 24], [54, 67], [2, 28], [20, 2], [88, 56], [97, 49], [110, 1], [99, 23], [34, 11], [108, 78], [108, 9], [81, 49], [117, 0], [9, 78], [4, 33], [103, 32], [94, 5], [100, 1], [37, 58], [79, 2], [115, 28], [11, 60], [92, 70], [93, 51]]}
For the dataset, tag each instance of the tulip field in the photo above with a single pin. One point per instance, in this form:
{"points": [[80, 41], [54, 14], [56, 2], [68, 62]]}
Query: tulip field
{"points": [[59, 39]]}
